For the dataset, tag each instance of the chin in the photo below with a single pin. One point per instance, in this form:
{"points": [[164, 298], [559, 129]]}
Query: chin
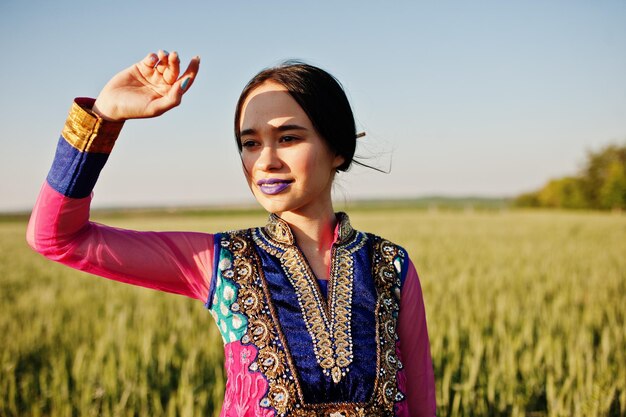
{"points": [[279, 207], [272, 205], [276, 208]]}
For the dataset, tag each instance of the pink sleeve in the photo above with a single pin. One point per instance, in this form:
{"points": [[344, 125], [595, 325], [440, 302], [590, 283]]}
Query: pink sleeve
{"points": [[415, 348], [176, 262]]}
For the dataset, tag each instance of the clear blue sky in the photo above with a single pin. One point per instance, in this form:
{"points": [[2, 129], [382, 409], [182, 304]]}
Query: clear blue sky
{"points": [[465, 97]]}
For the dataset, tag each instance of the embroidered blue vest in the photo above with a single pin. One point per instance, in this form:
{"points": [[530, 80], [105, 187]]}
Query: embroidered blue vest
{"points": [[320, 355]]}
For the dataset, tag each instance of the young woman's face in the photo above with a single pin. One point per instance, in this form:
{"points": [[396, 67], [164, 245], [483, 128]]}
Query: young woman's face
{"points": [[289, 168]]}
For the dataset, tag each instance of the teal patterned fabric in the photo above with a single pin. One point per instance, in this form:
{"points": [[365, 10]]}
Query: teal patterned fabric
{"points": [[232, 325]]}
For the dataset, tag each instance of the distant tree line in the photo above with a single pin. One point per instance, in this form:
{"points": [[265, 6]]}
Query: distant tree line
{"points": [[601, 184]]}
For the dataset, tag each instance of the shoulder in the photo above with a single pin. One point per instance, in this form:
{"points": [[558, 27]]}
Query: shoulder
{"points": [[387, 251], [233, 243], [227, 246], [225, 239]]}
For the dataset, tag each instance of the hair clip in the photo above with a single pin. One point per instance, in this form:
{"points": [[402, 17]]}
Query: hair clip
{"points": [[360, 135]]}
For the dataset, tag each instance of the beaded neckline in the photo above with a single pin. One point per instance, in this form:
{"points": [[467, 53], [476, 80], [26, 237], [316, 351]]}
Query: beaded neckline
{"points": [[328, 321], [278, 230]]}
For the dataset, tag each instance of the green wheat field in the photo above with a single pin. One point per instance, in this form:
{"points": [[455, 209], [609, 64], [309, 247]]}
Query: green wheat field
{"points": [[526, 313]]}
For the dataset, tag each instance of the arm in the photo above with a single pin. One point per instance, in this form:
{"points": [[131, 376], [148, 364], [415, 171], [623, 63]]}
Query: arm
{"points": [[415, 348], [60, 229]]}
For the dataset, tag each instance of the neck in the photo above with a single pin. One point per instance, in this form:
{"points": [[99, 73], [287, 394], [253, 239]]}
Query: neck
{"points": [[312, 232]]}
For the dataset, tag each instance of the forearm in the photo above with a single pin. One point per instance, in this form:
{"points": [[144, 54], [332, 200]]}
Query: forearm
{"points": [[62, 208], [415, 348], [59, 227]]}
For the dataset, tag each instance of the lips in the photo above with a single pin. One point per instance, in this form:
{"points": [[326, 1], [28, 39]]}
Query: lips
{"points": [[271, 186]]}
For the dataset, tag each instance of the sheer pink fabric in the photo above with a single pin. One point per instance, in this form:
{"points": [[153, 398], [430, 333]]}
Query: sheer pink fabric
{"points": [[182, 263], [401, 408], [415, 348], [176, 262]]}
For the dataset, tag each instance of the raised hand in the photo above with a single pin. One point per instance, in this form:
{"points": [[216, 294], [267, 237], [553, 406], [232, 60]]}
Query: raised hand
{"points": [[148, 88]]}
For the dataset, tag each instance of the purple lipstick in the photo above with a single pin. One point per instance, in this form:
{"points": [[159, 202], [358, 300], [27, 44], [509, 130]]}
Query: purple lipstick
{"points": [[271, 186]]}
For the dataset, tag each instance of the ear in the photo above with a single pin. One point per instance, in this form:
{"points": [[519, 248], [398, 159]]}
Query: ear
{"points": [[338, 161]]}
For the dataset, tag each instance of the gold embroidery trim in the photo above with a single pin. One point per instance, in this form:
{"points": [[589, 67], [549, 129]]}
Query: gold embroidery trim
{"points": [[87, 132], [387, 280], [278, 229], [329, 326], [386, 392], [274, 360]]}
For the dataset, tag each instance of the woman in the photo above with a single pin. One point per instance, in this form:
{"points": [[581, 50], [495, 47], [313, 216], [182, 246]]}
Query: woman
{"points": [[317, 318]]}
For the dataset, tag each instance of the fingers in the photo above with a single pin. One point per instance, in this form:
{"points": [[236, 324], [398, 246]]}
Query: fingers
{"points": [[175, 93], [172, 69], [185, 81], [152, 65], [150, 60], [161, 65], [188, 77]]}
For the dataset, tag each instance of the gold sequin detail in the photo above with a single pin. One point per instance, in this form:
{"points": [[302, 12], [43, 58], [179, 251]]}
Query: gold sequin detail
{"points": [[273, 359], [87, 132], [387, 280], [271, 362], [324, 324], [252, 300]]}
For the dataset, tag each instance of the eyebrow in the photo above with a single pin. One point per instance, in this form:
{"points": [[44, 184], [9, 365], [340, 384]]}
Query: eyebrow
{"points": [[281, 128]]}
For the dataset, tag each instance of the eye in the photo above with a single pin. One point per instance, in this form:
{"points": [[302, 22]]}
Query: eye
{"points": [[288, 138], [248, 143]]}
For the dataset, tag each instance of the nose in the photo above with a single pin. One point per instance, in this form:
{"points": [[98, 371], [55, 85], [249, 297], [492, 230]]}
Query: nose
{"points": [[269, 159]]}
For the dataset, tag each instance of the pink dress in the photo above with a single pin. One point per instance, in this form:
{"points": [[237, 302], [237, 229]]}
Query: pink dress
{"points": [[272, 369]]}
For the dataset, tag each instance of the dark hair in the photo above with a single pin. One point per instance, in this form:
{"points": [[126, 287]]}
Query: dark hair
{"points": [[321, 97]]}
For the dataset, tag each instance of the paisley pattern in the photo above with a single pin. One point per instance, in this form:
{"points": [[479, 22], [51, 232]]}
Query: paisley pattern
{"points": [[241, 274], [224, 308], [272, 361], [387, 277], [329, 326], [244, 389]]}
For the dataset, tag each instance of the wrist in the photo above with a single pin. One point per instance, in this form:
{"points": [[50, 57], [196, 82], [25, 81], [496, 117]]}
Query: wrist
{"points": [[87, 130], [101, 112], [82, 150]]}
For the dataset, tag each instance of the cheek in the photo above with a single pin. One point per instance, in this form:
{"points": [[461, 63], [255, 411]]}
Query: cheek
{"points": [[322, 164], [247, 165], [309, 159], [308, 167]]}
